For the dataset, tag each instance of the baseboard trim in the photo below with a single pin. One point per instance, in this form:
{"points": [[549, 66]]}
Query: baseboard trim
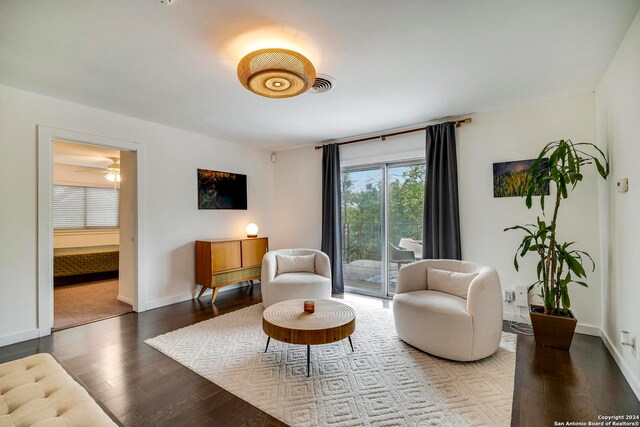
{"points": [[580, 328], [594, 331], [19, 337], [162, 302], [633, 381], [125, 300], [150, 305], [513, 317]]}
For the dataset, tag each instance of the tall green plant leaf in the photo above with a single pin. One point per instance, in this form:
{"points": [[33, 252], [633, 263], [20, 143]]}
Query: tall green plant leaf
{"points": [[575, 266]]}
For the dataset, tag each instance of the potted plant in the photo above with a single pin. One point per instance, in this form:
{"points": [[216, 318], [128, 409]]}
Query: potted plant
{"points": [[558, 167]]}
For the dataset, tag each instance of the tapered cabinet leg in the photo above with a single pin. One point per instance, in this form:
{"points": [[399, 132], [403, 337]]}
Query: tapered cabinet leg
{"points": [[202, 291], [214, 295]]}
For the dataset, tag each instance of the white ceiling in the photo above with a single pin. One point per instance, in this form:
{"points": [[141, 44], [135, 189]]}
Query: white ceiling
{"points": [[395, 62], [90, 156]]}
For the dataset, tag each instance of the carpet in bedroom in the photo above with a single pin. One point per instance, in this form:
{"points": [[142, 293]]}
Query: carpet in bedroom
{"points": [[86, 302]]}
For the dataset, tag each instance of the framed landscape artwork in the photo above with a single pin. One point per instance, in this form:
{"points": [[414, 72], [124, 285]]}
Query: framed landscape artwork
{"points": [[510, 179], [221, 190]]}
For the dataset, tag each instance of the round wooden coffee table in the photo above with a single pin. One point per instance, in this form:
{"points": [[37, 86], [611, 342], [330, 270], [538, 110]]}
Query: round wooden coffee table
{"points": [[286, 321]]}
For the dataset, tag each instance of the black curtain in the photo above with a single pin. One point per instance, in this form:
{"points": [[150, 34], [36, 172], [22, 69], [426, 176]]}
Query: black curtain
{"points": [[331, 224], [441, 233]]}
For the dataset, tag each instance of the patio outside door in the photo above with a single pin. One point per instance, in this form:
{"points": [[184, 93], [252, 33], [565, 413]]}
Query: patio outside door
{"points": [[382, 209]]}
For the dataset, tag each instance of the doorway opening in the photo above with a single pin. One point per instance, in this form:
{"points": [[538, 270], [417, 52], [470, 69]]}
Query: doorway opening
{"points": [[89, 216], [131, 217], [382, 222]]}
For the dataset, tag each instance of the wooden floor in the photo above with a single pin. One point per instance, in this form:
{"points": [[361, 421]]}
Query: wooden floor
{"points": [[578, 385], [141, 386]]}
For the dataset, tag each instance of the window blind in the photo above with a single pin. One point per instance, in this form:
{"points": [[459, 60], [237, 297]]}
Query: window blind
{"points": [[85, 207]]}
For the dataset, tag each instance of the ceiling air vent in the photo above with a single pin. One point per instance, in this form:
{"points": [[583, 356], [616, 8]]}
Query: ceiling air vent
{"points": [[322, 84]]}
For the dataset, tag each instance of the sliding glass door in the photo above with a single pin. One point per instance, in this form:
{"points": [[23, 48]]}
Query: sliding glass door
{"points": [[362, 229], [382, 224], [405, 204]]}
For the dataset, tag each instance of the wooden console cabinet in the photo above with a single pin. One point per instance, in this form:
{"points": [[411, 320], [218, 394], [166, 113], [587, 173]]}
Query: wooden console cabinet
{"points": [[224, 262]]}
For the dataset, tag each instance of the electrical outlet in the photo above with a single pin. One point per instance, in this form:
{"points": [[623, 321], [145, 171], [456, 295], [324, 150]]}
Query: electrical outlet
{"points": [[623, 185], [628, 340], [522, 296], [509, 295]]}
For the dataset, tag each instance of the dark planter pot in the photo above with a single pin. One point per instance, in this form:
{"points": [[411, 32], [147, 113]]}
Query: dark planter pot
{"points": [[552, 331]]}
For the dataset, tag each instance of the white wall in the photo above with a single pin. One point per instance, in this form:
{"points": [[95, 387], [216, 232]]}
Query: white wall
{"points": [[618, 112], [298, 199], [520, 133], [512, 134], [173, 221], [84, 238]]}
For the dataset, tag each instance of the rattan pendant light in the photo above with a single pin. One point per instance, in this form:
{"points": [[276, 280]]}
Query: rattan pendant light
{"points": [[276, 73]]}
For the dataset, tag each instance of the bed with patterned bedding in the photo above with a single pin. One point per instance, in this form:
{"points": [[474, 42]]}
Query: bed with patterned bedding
{"points": [[87, 260]]}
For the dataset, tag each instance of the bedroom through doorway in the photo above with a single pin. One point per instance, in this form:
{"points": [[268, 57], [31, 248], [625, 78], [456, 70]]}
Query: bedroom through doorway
{"points": [[92, 196]]}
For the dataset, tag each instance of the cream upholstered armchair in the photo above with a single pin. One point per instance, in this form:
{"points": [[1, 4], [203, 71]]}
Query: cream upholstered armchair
{"points": [[457, 316], [297, 276]]}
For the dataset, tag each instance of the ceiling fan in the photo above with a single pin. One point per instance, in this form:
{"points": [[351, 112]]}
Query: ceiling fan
{"points": [[111, 172]]}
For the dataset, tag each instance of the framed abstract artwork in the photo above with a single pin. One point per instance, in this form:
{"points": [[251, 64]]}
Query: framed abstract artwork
{"points": [[221, 190]]}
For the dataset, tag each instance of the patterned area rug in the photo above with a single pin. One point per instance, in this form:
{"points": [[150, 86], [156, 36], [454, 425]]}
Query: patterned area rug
{"points": [[384, 382]]}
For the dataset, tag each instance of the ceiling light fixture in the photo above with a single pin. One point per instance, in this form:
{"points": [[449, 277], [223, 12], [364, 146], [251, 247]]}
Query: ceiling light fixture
{"points": [[113, 172], [276, 73], [113, 176]]}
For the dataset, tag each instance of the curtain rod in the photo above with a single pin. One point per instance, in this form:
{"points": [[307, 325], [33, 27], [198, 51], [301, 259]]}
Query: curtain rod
{"points": [[382, 137]]}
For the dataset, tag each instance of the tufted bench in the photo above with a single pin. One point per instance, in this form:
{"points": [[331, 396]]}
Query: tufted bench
{"points": [[37, 391]]}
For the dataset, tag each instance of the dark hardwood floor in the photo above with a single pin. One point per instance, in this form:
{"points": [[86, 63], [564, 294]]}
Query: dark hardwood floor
{"points": [[141, 386], [559, 386]]}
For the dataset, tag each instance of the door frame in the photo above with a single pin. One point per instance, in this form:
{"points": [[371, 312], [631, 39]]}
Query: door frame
{"points": [[46, 135], [384, 166]]}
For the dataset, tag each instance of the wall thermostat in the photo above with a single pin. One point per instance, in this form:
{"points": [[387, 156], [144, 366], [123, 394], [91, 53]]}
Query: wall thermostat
{"points": [[623, 185]]}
